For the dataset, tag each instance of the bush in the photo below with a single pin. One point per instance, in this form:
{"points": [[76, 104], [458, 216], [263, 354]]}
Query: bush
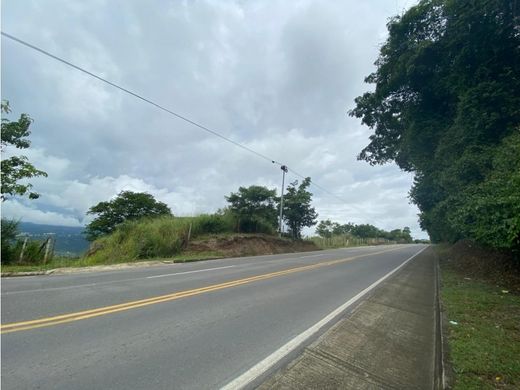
{"points": [[256, 225], [33, 253], [9, 231], [212, 224], [145, 238], [489, 212]]}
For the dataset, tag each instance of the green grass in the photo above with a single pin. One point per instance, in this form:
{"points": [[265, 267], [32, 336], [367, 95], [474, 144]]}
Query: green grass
{"points": [[199, 256], [484, 346], [147, 239], [67, 262], [164, 237], [57, 262]]}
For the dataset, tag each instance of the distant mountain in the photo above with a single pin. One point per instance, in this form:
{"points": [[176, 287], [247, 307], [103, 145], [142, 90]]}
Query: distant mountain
{"points": [[69, 240]]}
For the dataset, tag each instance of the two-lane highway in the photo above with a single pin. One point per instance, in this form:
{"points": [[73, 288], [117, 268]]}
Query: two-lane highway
{"points": [[186, 326]]}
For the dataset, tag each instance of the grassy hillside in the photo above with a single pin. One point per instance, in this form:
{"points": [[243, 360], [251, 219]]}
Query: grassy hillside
{"points": [[177, 239], [185, 239], [155, 238]]}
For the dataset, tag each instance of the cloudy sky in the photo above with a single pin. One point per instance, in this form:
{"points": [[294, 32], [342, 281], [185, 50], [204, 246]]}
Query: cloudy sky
{"points": [[275, 76]]}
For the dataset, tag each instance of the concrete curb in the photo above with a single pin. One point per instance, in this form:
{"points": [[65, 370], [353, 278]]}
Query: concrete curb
{"points": [[28, 273], [95, 268], [446, 373], [439, 378]]}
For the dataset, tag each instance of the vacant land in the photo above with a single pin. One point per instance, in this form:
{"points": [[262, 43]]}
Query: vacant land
{"points": [[481, 301], [208, 247]]}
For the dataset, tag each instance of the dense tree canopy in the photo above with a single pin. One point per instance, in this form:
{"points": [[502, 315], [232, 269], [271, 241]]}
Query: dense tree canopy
{"points": [[16, 169], [446, 106], [298, 212], [328, 229], [254, 207], [127, 205]]}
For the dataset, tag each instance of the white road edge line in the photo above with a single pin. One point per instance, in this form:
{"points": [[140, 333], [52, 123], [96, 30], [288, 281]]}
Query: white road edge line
{"points": [[303, 257], [189, 272], [261, 367]]}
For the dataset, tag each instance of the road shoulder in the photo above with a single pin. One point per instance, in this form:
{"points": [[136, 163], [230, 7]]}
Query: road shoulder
{"points": [[389, 341]]}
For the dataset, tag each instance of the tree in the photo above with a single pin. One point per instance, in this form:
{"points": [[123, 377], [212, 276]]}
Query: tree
{"points": [[366, 231], [325, 228], [254, 207], [297, 211], [407, 234], [404, 235], [338, 229], [446, 98], [328, 229], [17, 168], [126, 206]]}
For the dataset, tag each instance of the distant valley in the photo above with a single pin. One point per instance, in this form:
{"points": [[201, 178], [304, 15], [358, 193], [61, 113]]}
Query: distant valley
{"points": [[70, 241]]}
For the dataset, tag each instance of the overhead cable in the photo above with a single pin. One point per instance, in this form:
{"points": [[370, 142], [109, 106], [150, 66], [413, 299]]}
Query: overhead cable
{"points": [[136, 95], [146, 100], [317, 185]]}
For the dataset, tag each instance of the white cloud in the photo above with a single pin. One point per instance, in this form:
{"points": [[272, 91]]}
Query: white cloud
{"points": [[14, 209], [277, 77]]}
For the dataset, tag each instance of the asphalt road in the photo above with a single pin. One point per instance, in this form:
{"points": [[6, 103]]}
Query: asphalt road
{"points": [[180, 326]]}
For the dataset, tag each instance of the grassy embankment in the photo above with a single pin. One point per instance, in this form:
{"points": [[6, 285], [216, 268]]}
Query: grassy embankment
{"points": [[175, 239], [158, 238], [480, 295], [184, 239]]}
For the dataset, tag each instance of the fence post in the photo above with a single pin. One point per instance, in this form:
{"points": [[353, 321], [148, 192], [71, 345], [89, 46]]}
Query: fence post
{"points": [[189, 233], [23, 249], [48, 252]]}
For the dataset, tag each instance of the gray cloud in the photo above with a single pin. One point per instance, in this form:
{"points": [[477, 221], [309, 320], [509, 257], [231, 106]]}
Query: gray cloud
{"points": [[277, 76]]}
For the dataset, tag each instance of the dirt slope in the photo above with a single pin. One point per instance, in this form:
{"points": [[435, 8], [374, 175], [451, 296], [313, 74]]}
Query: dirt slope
{"points": [[248, 245]]}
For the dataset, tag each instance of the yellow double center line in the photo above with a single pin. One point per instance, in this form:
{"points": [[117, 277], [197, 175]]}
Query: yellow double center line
{"points": [[82, 315]]}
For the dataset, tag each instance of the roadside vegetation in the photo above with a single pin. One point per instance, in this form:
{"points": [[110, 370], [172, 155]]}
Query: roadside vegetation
{"points": [[135, 227], [336, 235], [444, 106], [126, 206], [480, 294], [83, 261], [146, 235], [16, 170], [161, 237]]}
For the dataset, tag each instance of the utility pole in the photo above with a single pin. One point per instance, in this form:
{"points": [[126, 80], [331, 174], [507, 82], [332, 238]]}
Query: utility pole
{"points": [[284, 170]]}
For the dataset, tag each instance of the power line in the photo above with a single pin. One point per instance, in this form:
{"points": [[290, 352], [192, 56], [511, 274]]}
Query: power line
{"points": [[146, 100], [136, 95], [317, 185]]}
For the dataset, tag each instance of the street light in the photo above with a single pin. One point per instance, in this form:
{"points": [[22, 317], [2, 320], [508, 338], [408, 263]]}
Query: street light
{"points": [[284, 170]]}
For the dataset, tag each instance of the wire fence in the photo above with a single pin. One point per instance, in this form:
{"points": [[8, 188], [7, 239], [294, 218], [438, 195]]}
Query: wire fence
{"points": [[346, 241]]}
